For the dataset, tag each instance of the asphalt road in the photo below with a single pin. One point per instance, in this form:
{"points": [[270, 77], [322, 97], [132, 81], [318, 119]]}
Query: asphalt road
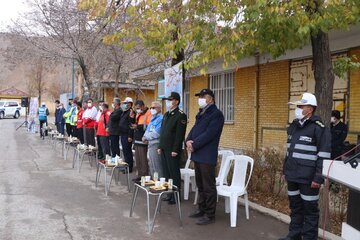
{"points": [[42, 197]]}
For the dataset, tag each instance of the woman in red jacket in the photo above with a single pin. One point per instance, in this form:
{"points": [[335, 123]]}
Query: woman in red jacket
{"points": [[79, 123], [102, 130]]}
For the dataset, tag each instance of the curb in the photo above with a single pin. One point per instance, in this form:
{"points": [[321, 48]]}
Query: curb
{"points": [[285, 218]]}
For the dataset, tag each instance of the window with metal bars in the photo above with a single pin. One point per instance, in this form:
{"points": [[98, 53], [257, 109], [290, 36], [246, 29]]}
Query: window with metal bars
{"points": [[222, 84]]}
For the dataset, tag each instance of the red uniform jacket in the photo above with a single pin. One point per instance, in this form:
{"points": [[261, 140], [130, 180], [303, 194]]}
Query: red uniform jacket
{"points": [[102, 125]]}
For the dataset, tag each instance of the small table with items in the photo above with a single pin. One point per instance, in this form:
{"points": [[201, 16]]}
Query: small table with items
{"points": [[150, 190], [80, 152], [121, 166], [69, 142]]}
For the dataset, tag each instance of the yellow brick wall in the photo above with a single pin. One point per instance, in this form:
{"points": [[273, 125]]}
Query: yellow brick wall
{"points": [[240, 134], [273, 99], [354, 101]]}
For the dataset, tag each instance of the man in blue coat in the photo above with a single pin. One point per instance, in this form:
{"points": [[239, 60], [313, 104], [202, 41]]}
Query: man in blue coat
{"points": [[203, 143]]}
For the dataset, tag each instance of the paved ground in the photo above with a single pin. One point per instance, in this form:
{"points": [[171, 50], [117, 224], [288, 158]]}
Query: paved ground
{"points": [[42, 197]]}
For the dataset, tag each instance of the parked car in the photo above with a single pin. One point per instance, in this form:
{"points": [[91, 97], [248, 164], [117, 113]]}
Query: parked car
{"points": [[9, 109]]}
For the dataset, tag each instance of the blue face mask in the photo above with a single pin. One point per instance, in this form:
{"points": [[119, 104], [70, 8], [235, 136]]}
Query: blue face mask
{"points": [[124, 106]]}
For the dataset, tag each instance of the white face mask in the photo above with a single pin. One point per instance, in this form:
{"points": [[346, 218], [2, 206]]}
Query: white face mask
{"points": [[101, 108], [299, 113], [169, 105], [138, 111], [89, 105], [333, 119], [153, 111], [202, 102], [113, 105]]}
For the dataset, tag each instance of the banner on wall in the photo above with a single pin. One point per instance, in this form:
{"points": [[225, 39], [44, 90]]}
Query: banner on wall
{"points": [[174, 81]]}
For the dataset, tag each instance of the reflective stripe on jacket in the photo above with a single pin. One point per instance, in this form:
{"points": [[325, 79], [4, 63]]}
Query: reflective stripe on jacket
{"points": [[308, 144], [42, 113]]}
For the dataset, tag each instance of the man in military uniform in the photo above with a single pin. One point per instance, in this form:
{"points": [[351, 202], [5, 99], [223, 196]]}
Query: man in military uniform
{"points": [[339, 131], [171, 140], [309, 142]]}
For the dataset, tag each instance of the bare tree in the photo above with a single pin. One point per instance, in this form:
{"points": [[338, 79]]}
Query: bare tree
{"points": [[36, 83], [60, 30]]}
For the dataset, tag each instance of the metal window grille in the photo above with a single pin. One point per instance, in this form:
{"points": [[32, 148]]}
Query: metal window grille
{"points": [[222, 85]]}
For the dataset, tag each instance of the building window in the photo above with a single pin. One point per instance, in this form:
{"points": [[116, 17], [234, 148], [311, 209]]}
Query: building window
{"points": [[223, 86], [186, 96]]}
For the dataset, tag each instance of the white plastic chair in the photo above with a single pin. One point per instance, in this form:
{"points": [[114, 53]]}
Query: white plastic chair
{"points": [[224, 154], [238, 185], [188, 175]]}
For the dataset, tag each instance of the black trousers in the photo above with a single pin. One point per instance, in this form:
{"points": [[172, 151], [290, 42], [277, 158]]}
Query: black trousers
{"points": [[100, 150], [127, 151], [79, 133], [206, 184], [69, 129], [41, 126], [304, 211], [171, 167], [105, 146], [114, 144], [90, 136]]}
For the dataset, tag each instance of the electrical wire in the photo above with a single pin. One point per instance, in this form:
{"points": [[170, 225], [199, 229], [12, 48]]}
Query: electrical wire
{"points": [[327, 187]]}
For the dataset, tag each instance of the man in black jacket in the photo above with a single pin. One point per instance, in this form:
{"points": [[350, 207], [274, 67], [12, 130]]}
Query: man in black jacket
{"points": [[203, 143], [114, 127], [126, 131], [339, 131], [307, 145]]}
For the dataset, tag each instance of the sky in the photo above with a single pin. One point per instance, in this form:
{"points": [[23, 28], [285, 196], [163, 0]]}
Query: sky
{"points": [[10, 10]]}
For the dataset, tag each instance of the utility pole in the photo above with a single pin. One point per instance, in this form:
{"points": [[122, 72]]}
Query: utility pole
{"points": [[73, 80]]}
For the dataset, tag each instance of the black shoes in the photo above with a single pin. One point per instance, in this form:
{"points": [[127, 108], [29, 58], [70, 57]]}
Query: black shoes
{"points": [[170, 199], [197, 214], [205, 220]]}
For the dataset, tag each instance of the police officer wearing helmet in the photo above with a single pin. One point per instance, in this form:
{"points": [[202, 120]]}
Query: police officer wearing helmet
{"points": [[309, 142], [43, 113]]}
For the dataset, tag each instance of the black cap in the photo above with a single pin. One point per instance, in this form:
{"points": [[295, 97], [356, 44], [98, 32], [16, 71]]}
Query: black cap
{"points": [[205, 91], [173, 95], [336, 114]]}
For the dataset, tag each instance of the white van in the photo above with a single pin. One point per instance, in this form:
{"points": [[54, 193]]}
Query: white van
{"points": [[9, 109]]}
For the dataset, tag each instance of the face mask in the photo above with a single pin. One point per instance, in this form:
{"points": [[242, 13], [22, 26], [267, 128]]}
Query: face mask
{"points": [[101, 108], [113, 105], [333, 119], [138, 111], [124, 106], [153, 111], [202, 102], [60, 107], [299, 113], [89, 105], [169, 105]]}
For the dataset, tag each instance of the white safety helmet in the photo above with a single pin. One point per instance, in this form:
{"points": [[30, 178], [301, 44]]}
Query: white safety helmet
{"points": [[306, 99]]}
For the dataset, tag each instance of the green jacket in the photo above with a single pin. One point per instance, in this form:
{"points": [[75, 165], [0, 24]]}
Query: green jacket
{"points": [[173, 130], [70, 116]]}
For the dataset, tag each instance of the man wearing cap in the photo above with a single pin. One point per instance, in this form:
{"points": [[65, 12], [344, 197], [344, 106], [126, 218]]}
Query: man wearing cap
{"points": [[126, 132], [172, 136], [203, 143], [307, 145], [339, 132]]}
